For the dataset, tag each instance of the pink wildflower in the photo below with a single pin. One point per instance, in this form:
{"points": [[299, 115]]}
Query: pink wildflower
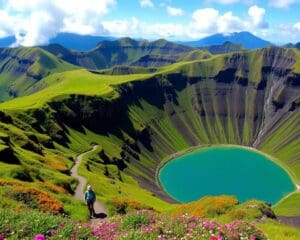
{"points": [[39, 237]]}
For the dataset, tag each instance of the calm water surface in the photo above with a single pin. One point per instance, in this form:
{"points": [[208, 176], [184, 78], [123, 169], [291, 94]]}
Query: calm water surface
{"points": [[225, 170]]}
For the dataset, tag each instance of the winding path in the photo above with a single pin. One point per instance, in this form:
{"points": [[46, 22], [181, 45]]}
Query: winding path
{"points": [[79, 192]]}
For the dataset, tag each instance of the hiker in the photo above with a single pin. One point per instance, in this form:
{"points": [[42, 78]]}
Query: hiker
{"points": [[90, 198]]}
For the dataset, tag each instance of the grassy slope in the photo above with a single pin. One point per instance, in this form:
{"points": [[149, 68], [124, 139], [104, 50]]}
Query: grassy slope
{"points": [[288, 206], [22, 67], [167, 106], [277, 231], [66, 83]]}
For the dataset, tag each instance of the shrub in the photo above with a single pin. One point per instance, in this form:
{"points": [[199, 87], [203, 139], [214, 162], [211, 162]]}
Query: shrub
{"points": [[69, 185], [123, 206], [35, 199], [21, 173], [52, 188], [135, 220], [207, 206], [237, 214]]}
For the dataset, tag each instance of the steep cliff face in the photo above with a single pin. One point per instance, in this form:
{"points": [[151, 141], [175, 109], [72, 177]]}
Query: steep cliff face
{"points": [[241, 98]]}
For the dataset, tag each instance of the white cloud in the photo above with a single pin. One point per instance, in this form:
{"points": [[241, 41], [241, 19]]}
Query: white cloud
{"points": [[35, 22], [297, 26], [146, 3], [282, 3], [37, 33], [228, 23], [257, 15], [134, 27], [279, 33], [203, 22], [173, 11], [6, 24], [208, 21]]}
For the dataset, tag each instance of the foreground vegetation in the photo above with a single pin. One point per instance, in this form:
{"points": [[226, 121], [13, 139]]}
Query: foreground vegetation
{"points": [[212, 218], [142, 224]]}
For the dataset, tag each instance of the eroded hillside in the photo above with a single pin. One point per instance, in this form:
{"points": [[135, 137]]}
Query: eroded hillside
{"points": [[249, 98]]}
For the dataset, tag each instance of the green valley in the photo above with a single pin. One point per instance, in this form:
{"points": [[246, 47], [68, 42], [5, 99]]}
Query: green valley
{"points": [[140, 115]]}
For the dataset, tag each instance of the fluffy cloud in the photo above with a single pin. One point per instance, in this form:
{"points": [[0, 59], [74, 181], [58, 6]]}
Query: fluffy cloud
{"points": [[35, 22], [208, 20], [282, 3], [257, 15], [6, 24], [203, 22], [172, 11], [146, 3], [297, 26], [279, 33], [134, 27]]}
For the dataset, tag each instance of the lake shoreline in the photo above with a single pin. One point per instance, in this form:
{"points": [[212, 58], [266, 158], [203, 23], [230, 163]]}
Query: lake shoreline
{"points": [[193, 149]]}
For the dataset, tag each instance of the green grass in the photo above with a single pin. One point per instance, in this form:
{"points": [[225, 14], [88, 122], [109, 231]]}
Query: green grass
{"points": [[124, 187], [73, 82], [296, 67], [287, 154], [23, 67], [277, 231], [288, 206]]}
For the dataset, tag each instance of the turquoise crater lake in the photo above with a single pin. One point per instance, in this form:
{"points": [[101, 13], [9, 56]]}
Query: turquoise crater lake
{"points": [[237, 171]]}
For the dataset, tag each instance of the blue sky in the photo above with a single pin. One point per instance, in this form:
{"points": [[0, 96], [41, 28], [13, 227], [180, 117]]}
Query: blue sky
{"points": [[35, 21]]}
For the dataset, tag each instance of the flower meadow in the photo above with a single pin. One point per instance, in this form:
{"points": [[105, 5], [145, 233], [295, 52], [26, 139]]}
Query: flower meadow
{"points": [[142, 224]]}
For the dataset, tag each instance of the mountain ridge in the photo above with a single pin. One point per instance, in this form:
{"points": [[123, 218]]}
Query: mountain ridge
{"points": [[21, 68], [68, 40], [79, 42], [124, 51], [247, 39]]}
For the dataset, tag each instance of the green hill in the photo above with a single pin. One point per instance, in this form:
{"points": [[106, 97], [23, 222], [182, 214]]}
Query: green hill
{"points": [[226, 47], [124, 51], [21, 68], [245, 98]]}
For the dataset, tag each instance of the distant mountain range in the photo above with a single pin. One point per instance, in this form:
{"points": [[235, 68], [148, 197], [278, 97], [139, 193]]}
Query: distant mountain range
{"points": [[21, 68], [67, 40], [7, 41], [290, 45], [226, 47], [124, 51], [86, 42], [248, 40]]}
